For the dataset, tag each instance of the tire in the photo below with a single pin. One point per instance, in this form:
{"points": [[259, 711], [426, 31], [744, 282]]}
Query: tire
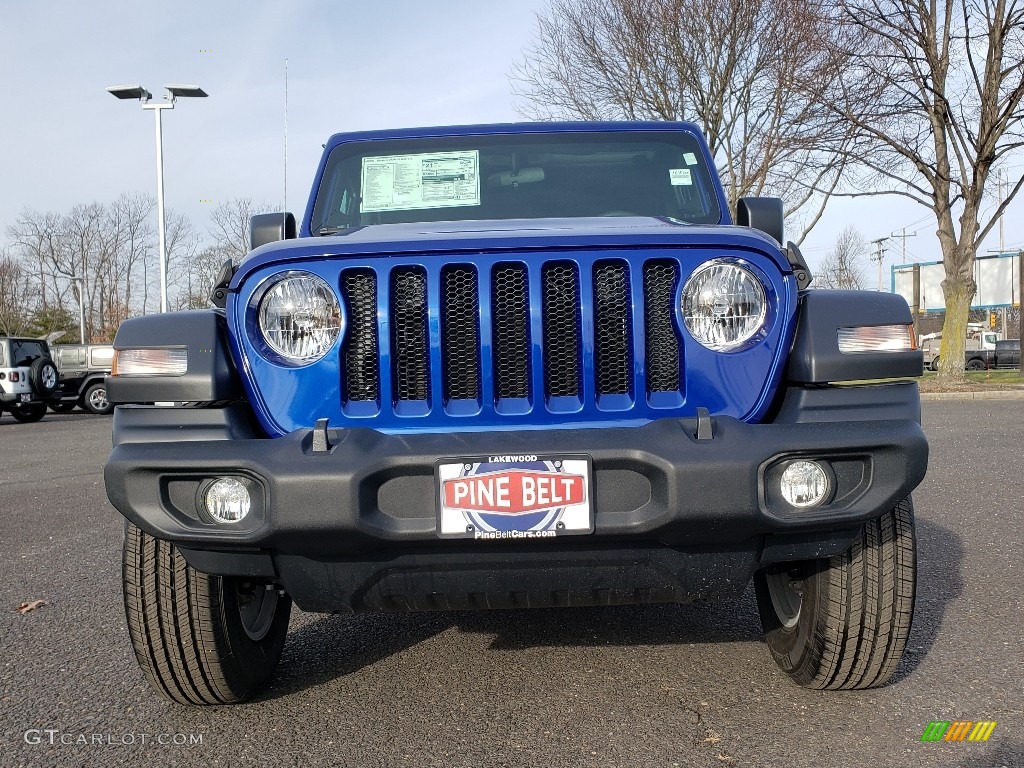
{"points": [[187, 627], [842, 623], [43, 377], [29, 413], [975, 364], [935, 364], [63, 406], [94, 399]]}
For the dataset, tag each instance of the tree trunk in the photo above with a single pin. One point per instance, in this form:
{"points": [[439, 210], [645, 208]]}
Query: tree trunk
{"points": [[952, 352]]}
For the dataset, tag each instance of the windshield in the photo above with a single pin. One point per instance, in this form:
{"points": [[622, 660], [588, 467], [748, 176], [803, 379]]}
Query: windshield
{"points": [[560, 175]]}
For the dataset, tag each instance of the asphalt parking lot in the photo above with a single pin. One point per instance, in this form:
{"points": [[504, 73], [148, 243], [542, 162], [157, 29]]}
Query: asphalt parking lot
{"points": [[652, 686]]}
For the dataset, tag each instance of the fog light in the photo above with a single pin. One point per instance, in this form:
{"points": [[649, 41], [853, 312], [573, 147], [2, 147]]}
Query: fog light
{"points": [[804, 484], [227, 500]]}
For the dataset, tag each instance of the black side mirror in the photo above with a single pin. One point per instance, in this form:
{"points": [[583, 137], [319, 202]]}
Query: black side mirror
{"points": [[762, 213], [270, 227]]}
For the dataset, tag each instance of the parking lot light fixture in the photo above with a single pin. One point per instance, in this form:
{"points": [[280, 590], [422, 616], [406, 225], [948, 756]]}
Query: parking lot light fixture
{"points": [[171, 94], [79, 285]]}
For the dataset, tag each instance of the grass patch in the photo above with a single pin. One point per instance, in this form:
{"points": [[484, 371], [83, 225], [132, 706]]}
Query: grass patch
{"points": [[976, 381], [1004, 376]]}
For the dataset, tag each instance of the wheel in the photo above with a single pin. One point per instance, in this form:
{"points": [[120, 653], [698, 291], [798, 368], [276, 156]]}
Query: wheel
{"points": [[43, 377], [935, 364], [63, 406], [28, 413], [94, 399], [974, 364], [200, 639], [842, 623]]}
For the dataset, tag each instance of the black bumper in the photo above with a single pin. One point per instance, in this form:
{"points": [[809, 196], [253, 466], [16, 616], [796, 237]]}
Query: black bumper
{"points": [[354, 526]]}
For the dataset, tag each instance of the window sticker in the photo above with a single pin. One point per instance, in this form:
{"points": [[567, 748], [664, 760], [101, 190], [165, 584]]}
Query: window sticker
{"points": [[690, 158], [680, 177], [429, 180]]}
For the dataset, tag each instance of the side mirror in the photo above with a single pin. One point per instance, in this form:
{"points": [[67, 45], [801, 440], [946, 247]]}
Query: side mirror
{"points": [[270, 227], [762, 213]]}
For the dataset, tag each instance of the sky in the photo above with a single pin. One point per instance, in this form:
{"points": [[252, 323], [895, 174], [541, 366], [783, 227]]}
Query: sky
{"points": [[351, 66]]}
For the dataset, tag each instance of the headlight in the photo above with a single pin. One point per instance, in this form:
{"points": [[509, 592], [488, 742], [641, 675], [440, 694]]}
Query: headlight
{"points": [[300, 318], [723, 305]]}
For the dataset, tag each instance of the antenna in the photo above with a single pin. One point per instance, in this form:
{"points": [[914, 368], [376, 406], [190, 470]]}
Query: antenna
{"points": [[284, 208]]}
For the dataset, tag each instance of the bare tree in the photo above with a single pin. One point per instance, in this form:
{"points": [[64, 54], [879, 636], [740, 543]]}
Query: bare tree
{"points": [[34, 237], [739, 68], [203, 268], [182, 245], [229, 226], [94, 251], [934, 96], [843, 268], [18, 292]]}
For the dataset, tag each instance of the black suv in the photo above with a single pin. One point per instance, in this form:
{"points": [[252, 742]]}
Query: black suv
{"points": [[28, 378], [83, 370]]}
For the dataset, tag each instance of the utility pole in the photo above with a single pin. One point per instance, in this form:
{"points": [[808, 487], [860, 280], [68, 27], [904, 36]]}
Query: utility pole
{"points": [[903, 237], [999, 179], [879, 255], [916, 309]]}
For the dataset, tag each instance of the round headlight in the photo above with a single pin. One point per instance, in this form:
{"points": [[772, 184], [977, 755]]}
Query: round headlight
{"points": [[300, 318], [723, 305]]}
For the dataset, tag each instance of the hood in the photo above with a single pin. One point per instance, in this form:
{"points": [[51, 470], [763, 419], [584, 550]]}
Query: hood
{"points": [[510, 234]]}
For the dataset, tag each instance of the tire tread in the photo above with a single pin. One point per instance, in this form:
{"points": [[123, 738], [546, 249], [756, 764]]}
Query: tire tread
{"points": [[177, 622], [869, 604]]}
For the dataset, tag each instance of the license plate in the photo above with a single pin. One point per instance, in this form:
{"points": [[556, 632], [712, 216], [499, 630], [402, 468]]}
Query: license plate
{"points": [[26, 397], [516, 497]]}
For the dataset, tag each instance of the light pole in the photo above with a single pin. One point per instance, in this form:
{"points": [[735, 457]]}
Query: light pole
{"points": [[171, 93], [78, 282]]}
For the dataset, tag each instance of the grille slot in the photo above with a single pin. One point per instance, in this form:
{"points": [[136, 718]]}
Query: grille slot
{"points": [[460, 332], [661, 278], [561, 300], [510, 318], [410, 352], [361, 381], [613, 328]]}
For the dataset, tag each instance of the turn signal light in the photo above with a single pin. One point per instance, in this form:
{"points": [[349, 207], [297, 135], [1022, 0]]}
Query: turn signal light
{"points": [[877, 338], [166, 361]]}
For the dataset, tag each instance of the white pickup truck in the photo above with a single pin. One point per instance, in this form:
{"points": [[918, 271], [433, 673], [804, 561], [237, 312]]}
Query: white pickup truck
{"points": [[978, 340]]}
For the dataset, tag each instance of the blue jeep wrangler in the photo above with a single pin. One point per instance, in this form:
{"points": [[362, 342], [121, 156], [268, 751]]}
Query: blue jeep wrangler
{"points": [[512, 366]]}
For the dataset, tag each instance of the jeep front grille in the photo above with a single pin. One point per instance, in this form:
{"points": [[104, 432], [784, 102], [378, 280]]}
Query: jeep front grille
{"points": [[559, 336]]}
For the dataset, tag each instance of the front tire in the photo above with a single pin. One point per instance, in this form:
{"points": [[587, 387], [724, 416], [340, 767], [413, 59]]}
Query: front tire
{"points": [[200, 639], [842, 623]]}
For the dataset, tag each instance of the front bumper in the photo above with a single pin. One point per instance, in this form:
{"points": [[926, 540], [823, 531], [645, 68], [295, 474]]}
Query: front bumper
{"points": [[354, 526]]}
